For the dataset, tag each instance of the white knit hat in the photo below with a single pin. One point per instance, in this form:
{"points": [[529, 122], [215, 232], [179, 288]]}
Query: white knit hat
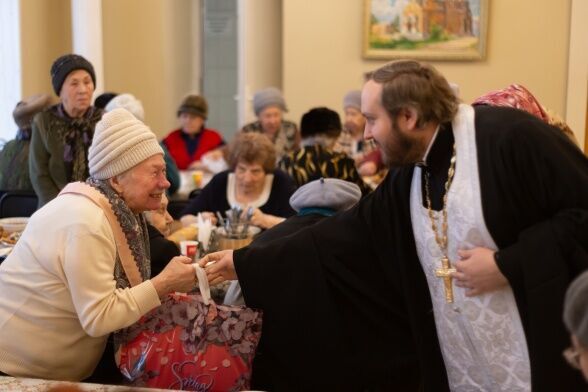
{"points": [[120, 142], [129, 102]]}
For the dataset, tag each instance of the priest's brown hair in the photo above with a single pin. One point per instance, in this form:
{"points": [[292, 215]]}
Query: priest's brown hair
{"points": [[411, 84]]}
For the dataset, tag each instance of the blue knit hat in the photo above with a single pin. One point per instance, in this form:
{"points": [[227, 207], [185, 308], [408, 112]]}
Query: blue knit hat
{"points": [[332, 193]]}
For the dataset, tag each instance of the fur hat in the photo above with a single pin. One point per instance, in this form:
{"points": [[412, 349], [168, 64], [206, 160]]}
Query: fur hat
{"points": [[195, 104], [65, 65], [26, 109], [331, 193], [129, 102], [320, 121], [576, 308], [352, 100], [270, 96], [120, 143]]}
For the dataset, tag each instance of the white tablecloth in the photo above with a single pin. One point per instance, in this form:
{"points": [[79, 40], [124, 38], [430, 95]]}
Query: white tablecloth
{"points": [[36, 385]]}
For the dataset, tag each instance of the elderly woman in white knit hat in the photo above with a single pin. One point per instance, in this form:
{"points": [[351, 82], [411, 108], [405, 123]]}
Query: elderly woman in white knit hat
{"points": [[133, 105], [269, 106], [81, 269], [576, 320]]}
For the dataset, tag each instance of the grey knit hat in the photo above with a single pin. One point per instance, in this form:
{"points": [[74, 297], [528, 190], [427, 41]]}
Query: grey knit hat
{"points": [[120, 143], [26, 109], [331, 193], [65, 65], [352, 100], [195, 104], [576, 308], [270, 96]]}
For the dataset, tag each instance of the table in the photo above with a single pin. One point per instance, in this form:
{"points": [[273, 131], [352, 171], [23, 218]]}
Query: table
{"points": [[13, 384]]}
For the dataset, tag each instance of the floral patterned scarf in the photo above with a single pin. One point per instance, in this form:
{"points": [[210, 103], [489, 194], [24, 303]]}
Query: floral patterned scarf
{"points": [[518, 97], [77, 134], [133, 226], [514, 96]]}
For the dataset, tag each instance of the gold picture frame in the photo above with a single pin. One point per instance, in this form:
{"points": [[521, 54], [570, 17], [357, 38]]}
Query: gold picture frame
{"points": [[425, 29]]}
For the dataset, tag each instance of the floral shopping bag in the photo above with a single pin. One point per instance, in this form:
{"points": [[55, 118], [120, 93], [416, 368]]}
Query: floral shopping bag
{"points": [[190, 343]]}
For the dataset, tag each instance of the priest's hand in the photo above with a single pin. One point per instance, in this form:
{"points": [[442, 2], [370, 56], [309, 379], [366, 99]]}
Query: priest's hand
{"points": [[477, 272], [219, 266]]}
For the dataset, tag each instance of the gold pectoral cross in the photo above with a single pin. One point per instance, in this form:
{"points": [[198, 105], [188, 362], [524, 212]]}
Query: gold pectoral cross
{"points": [[445, 273]]}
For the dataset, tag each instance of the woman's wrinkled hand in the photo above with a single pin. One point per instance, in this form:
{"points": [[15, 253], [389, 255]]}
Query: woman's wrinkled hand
{"points": [[178, 275], [265, 221]]}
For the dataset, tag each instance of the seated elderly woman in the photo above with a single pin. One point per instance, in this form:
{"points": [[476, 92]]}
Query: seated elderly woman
{"points": [[159, 227], [269, 106], [14, 156], [133, 105], [81, 267], [251, 181], [576, 319], [188, 144], [320, 128]]}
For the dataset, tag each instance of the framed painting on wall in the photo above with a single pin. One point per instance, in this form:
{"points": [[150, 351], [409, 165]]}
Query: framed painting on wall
{"points": [[425, 29]]}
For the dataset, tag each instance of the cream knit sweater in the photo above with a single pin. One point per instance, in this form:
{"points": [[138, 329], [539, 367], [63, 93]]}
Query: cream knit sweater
{"points": [[58, 297]]}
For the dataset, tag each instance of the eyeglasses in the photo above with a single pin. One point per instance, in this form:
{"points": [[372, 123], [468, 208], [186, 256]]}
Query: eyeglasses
{"points": [[572, 356]]}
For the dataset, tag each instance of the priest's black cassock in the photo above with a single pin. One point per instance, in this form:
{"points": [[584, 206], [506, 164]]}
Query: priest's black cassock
{"points": [[346, 303]]}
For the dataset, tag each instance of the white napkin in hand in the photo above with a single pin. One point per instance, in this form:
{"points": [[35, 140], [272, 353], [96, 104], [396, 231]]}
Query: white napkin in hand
{"points": [[204, 231], [202, 283]]}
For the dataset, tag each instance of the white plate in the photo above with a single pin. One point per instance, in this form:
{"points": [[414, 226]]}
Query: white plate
{"points": [[10, 225], [5, 251]]}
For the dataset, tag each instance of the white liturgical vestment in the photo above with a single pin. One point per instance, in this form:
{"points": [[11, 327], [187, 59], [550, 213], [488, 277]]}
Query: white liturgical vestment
{"points": [[481, 338]]}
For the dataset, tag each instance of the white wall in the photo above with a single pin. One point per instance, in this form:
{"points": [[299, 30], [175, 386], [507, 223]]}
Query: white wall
{"points": [[577, 94], [149, 51], [260, 50], [10, 81]]}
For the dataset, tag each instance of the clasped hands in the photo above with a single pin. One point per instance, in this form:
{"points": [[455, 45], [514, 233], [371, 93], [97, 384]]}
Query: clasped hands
{"points": [[477, 272], [219, 266]]}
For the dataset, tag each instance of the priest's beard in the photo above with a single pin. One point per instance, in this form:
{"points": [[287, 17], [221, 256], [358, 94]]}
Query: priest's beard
{"points": [[399, 149]]}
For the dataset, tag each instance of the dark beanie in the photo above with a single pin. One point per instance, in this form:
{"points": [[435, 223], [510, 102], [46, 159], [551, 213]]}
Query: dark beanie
{"points": [[320, 121], [194, 104], [65, 65], [102, 100]]}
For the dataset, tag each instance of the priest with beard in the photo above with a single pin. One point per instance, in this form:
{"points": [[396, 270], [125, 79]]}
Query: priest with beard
{"points": [[458, 262]]}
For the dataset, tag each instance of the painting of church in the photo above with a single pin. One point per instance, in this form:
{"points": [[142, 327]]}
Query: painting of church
{"points": [[427, 26], [453, 16]]}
